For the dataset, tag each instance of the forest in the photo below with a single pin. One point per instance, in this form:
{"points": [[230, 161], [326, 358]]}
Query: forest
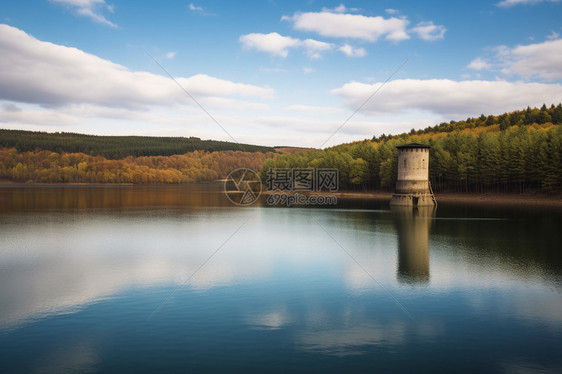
{"points": [[43, 166], [514, 152], [116, 147], [518, 152]]}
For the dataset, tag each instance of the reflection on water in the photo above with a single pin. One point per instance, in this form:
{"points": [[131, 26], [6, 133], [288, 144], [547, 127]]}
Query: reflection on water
{"points": [[82, 272], [412, 226], [111, 197], [52, 263]]}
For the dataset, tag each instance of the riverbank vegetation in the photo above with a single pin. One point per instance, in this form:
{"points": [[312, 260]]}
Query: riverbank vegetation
{"points": [[116, 147], [513, 152], [518, 152], [42, 166]]}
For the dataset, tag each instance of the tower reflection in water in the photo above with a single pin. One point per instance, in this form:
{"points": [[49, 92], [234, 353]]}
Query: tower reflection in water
{"points": [[413, 225]]}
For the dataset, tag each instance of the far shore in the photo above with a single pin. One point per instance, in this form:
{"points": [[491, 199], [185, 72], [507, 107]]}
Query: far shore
{"points": [[527, 199]]}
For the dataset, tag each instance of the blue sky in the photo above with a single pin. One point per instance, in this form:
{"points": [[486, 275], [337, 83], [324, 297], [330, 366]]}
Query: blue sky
{"points": [[273, 72]]}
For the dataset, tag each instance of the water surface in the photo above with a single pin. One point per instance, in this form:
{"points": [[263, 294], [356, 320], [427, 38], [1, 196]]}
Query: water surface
{"points": [[144, 279]]}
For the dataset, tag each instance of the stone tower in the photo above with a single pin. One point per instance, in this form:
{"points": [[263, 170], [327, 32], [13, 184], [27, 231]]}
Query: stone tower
{"points": [[412, 186]]}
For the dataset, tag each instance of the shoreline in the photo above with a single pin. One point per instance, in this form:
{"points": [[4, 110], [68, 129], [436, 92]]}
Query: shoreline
{"points": [[497, 199], [491, 199]]}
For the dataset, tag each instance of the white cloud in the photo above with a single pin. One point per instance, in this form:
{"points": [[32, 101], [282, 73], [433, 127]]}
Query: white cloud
{"points": [[479, 64], [10, 113], [543, 60], [428, 31], [308, 70], [339, 25], [317, 126], [350, 51], [553, 35], [279, 45], [90, 8], [199, 9], [209, 86], [510, 3], [340, 9], [392, 11], [195, 8], [272, 43], [314, 48], [447, 97], [170, 55], [538, 60], [44, 73]]}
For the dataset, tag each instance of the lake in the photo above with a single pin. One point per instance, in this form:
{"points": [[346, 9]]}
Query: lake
{"points": [[177, 279]]}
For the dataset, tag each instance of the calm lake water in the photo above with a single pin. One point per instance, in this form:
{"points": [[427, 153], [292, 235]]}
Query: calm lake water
{"points": [[176, 279]]}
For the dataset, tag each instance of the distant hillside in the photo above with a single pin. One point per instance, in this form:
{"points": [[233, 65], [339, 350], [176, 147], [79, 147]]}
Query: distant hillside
{"points": [[42, 166], [116, 147], [512, 152], [286, 150], [529, 116]]}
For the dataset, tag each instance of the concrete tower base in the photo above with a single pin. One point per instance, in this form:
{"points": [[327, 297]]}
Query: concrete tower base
{"points": [[424, 199]]}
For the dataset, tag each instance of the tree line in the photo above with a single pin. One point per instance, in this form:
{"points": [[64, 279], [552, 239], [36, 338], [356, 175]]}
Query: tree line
{"points": [[116, 147], [552, 114], [513, 152], [43, 166]]}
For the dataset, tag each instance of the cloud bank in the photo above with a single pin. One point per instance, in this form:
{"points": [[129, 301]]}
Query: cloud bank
{"points": [[447, 97], [336, 23], [538, 60], [37, 72], [355, 26]]}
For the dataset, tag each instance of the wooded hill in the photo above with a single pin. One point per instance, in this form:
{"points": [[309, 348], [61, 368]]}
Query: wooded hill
{"points": [[41, 166], [512, 152], [39, 157], [116, 147]]}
